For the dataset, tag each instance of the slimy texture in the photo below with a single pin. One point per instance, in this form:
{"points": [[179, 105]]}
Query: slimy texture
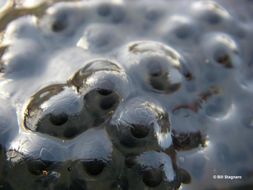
{"points": [[128, 95]]}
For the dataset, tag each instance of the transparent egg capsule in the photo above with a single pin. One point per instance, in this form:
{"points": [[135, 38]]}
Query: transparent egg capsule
{"points": [[154, 170], [97, 162], [55, 111], [160, 68], [139, 125]]}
